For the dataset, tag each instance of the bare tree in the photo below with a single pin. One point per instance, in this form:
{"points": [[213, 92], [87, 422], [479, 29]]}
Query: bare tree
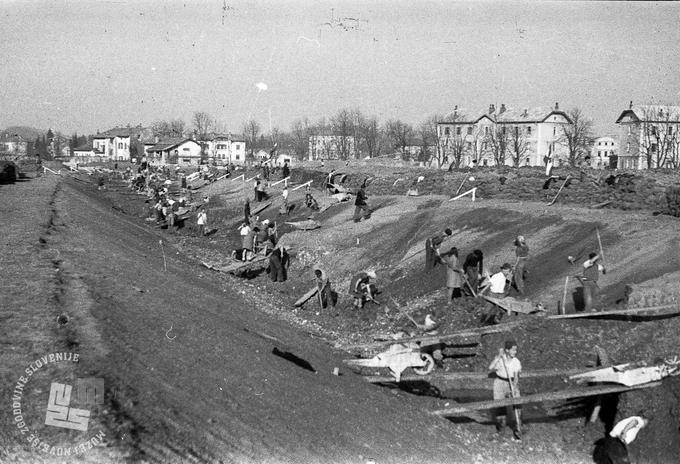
{"points": [[518, 145], [399, 133], [498, 140], [371, 136], [203, 124], [300, 132], [342, 127], [251, 131], [455, 149], [174, 128], [577, 136], [657, 135], [674, 157]]}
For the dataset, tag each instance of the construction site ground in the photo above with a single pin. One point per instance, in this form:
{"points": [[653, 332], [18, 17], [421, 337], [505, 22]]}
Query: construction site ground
{"points": [[202, 366]]}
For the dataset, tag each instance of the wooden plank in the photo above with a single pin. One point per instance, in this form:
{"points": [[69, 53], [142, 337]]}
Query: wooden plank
{"points": [[435, 339], [303, 299], [259, 261], [675, 308], [260, 208], [541, 397], [478, 376]]}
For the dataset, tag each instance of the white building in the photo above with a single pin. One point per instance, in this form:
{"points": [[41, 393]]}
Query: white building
{"points": [[603, 149], [186, 152], [115, 143], [331, 147], [648, 137], [226, 149], [520, 136]]}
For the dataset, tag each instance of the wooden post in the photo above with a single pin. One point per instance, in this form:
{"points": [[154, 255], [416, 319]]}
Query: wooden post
{"points": [[564, 296], [603, 361]]}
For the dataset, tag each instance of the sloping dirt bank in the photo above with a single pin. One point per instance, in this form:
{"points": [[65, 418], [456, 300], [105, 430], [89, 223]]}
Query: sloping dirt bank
{"points": [[189, 353]]}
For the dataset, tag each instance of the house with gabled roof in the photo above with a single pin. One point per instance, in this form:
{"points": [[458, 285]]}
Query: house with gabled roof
{"points": [[649, 137], [87, 153], [528, 135], [182, 151], [115, 143], [226, 149]]}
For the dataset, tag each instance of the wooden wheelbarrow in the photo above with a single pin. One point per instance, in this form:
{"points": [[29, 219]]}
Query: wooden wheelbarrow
{"points": [[397, 358]]}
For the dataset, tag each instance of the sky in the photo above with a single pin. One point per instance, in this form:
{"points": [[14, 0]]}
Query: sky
{"points": [[91, 65]]}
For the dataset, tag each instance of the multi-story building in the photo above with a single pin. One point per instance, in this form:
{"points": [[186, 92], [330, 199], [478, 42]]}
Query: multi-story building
{"points": [[604, 148], [332, 147], [648, 137], [521, 137], [226, 149], [13, 145], [115, 143]]}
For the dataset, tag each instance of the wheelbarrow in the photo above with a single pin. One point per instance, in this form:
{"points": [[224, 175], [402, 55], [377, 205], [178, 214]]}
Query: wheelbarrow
{"points": [[397, 358]]}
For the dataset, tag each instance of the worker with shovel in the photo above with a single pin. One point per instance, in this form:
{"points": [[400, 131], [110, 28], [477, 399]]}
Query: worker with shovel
{"points": [[591, 274], [507, 368], [362, 289]]}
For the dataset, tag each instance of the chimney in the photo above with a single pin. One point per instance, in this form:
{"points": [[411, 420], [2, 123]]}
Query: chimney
{"points": [[526, 112], [455, 108], [492, 108], [630, 105], [557, 106], [502, 108]]}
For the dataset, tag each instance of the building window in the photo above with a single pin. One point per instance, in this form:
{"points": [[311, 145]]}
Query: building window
{"points": [[599, 153], [528, 161], [469, 145], [120, 145], [653, 130], [484, 145], [186, 149], [529, 130], [236, 157], [670, 130], [447, 131], [554, 131], [238, 147], [469, 130], [458, 130], [628, 147], [653, 148], [503, 130], [486, 131]]}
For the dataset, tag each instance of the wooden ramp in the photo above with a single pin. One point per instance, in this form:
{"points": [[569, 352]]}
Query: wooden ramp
{"points": [[436, 339], [260, 208], [584, 392], [473, 376], [662, 310], [303, 299]]}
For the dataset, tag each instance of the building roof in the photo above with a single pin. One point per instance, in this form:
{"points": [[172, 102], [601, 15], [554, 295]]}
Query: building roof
{"points": [[88, 147], [168, 144], [121, 132], [652, 113], [507, 116]]}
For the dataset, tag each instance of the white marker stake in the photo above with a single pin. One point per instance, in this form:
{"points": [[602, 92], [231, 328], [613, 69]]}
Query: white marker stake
{"points": [[237, 178], [279, 181], [300, 186], [469, 192]]}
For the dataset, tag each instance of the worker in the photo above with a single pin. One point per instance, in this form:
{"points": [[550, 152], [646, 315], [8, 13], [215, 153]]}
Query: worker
{"points": [[325, 291], [201, 221], [506, 369], [361, 209], [498, 286], [432, 253], [279, 262], [362, 289], [591, 274], [473, 268], [285, 171], [522, 255], [453, 275], [246, 211], [246, 242], [284, 196], [310, 202], [613, 448]]}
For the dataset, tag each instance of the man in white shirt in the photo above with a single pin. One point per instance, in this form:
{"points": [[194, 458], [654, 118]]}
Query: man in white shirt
{"points": [[613, 448], [498, 286], [507, 368]]}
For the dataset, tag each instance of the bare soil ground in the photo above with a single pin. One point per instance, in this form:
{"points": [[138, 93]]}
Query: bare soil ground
{"points": [[214, 389]]}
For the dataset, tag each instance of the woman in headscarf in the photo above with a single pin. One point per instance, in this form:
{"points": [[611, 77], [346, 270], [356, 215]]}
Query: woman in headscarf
{"points": [[453, 274], [522, 254]]}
